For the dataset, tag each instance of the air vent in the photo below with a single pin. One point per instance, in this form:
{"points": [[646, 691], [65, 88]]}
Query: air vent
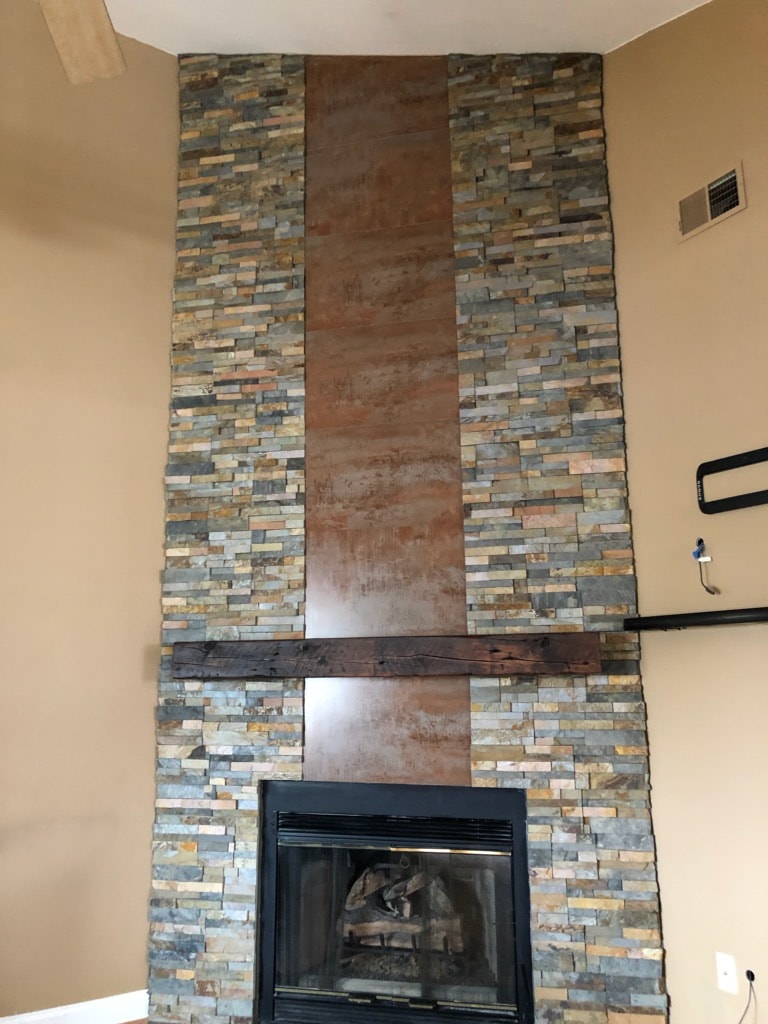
{"points": [[355, 830], [723, 196]]}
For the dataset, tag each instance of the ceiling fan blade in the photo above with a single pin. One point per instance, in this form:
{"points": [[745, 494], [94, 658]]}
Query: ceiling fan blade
{"points": [[83, 35]]}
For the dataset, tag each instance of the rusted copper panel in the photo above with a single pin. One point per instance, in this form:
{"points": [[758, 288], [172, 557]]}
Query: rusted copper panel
{"points": [[388, 730], [393, 373], [361, 98], [385, 548], [399, 275], [388, 474], [382, 183], [385, 582]]}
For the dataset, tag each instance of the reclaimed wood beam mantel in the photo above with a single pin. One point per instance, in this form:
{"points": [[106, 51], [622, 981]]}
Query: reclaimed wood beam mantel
{"points": [[383, 657]]}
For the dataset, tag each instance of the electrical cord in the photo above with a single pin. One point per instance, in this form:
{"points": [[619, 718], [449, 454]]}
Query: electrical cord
{"points": [[709, 590], [751, 980], [698, 554]]}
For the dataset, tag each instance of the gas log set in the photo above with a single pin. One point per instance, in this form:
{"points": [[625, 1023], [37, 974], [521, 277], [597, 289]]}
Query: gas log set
{"points": [[401, 907]]}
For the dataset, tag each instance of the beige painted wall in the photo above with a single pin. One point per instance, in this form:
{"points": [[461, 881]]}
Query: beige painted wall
{"points": [[87, 204], [683, 104]]}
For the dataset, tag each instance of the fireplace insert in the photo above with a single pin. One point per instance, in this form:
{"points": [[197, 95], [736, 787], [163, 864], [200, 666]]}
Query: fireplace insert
{"points": [[393, 903]]}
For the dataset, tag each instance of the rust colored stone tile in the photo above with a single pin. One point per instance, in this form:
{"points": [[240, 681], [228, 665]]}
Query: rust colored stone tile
{"points": [[385, 549], [394, 373], [372, 97], [392, 182], [383, 475], [386, 581], [395, 276], [388, 730]]}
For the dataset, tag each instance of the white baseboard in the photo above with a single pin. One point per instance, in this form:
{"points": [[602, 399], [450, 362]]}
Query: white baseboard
{"points": [[120, 1009]]}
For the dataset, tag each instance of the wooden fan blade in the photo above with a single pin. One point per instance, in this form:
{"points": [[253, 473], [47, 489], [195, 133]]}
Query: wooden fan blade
{"points": [[83, 35]]}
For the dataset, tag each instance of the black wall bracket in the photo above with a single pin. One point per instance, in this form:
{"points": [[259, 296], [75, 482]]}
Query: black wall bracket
{"points": [[723, 465]]}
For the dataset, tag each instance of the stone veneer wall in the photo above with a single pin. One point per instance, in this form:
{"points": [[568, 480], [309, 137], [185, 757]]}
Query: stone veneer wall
{"points": [[547, 527], [545, 491], [235, 530]]}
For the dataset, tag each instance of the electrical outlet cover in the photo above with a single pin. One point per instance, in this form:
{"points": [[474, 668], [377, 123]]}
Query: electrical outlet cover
{"points": [[726, 973]]}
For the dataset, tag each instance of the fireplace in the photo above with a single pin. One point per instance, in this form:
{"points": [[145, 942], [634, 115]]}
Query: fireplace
{"points": [[320, 465], [382, 902]]}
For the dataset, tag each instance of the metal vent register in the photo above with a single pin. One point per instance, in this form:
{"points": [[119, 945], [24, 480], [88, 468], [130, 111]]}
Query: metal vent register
{"points": [[722, 196], [393, 903]]}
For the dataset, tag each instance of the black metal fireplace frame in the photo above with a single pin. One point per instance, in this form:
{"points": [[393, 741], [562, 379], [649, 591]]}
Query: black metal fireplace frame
{"points": [[486, 807]]}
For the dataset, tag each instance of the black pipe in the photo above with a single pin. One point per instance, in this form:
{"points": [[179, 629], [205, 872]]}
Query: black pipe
{"points": [[728, 617]]}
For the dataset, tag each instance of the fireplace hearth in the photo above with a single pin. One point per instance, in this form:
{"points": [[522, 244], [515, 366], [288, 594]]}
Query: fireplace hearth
{"points": [[382, 902]]}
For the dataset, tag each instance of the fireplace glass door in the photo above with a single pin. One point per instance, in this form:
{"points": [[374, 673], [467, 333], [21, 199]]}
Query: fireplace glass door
{"points": [[381, 915]]}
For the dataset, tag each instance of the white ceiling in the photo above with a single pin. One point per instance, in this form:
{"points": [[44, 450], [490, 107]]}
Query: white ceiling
{"points": [[391, 26]]}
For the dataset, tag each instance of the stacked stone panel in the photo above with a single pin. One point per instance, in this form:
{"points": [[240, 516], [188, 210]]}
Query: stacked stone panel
{"points": [[215, 742], [235, 520], [578, 746], [547, 530], [547, 523]]}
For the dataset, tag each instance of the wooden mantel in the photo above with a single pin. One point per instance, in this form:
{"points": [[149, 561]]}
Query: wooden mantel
{"points": [[384, 657]]}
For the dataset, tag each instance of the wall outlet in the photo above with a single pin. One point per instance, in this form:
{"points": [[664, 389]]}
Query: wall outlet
{"points": [[726, 973]]}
